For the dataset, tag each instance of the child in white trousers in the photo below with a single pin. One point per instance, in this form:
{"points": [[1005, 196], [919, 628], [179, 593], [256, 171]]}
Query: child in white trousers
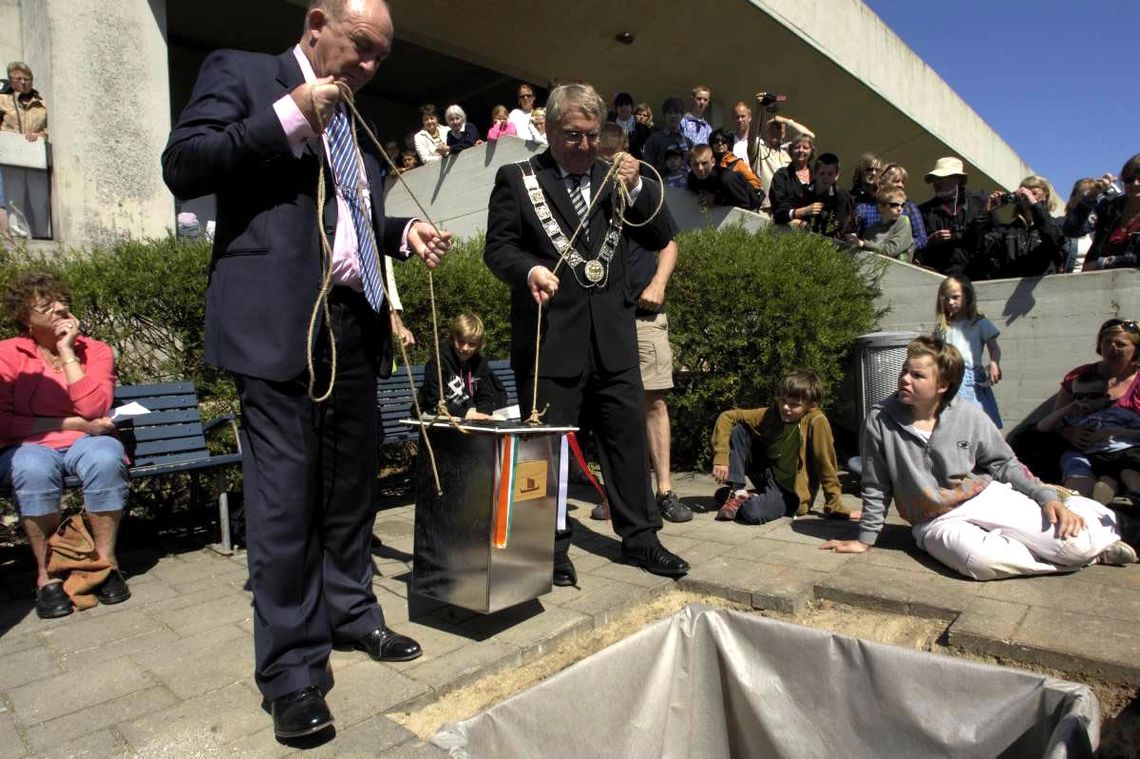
{"points": [[972, 504]]}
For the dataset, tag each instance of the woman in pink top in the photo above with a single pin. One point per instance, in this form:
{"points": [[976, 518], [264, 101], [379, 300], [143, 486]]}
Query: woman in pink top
{"points": [[56, 388], [500, 124]]}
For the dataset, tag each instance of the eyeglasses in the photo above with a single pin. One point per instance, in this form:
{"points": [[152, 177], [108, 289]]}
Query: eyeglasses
{"points": [[893, 205], [47, 307], [574, 136], [1125, 324]]}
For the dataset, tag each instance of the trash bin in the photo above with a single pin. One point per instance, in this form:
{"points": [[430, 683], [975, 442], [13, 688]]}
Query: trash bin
{"points": [[878, 360], [715, 683], [487, 542]]}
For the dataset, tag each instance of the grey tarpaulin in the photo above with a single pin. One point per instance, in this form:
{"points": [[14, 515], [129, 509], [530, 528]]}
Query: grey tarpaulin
{"points": [[715, 683]]}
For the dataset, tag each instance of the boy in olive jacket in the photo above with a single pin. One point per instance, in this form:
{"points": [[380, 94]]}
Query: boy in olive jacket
{"points": [[786, 450]]}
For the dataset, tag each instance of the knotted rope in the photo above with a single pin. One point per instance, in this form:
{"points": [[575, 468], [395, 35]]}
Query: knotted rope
{"points": [[321, 307]]}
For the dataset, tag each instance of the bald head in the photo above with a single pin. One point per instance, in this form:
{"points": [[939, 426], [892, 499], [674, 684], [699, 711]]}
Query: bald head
{"points": [[347, 39]]}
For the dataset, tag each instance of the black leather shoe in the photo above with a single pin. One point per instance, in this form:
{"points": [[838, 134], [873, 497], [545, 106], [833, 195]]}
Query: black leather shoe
{"points": [[114, 589], [384, 645], [52, 601], [564, 573], [658, 560], [301, 712]]}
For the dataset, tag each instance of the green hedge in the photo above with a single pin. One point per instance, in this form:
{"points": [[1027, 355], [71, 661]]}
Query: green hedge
{"points": [[743, 310]]}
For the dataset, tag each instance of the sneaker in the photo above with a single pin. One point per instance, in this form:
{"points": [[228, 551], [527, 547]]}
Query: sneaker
{"points": [[731, 505], [1117, 554], [672, 510], [114, 589], [600, 512], [52, 601]]}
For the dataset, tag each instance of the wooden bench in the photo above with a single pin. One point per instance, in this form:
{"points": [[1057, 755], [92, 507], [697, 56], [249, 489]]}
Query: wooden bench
{"points": [[395, 398], [171, 439]]}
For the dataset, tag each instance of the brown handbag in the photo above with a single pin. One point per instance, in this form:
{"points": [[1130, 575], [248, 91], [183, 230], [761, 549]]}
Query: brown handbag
{"points": [[72, 555]]}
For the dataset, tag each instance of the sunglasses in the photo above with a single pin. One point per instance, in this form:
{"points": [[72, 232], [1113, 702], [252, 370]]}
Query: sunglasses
{"points": [[1130, 179], [573, 136], [1127, 325], [893, 205]]}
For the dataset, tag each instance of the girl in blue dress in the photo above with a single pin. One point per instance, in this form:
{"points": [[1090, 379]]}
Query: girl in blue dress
{"points": [[960, 325]]}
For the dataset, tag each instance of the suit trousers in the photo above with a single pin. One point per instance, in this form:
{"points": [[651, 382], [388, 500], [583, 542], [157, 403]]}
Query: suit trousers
{"points": [[310, 472], [612, 405]]}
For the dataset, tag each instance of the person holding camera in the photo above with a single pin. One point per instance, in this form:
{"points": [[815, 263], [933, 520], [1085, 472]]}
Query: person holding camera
{"points": [[1032, 244], [1116, 226], [771, 140], [1079, 245], [953, 220]]}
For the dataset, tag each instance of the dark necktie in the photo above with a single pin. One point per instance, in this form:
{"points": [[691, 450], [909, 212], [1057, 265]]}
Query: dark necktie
{"points": [[345, 163], [579, 202]]}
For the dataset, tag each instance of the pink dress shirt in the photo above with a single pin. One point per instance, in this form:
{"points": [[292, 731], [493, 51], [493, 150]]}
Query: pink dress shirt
{"points": [[346, 251]]}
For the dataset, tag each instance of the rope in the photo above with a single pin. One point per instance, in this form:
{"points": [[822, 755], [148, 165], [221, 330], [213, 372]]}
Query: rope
{"points": [[321, 307], [621, 203]]}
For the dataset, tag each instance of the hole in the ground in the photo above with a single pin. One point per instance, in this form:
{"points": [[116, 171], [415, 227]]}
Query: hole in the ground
{"points": [[895, 686]]}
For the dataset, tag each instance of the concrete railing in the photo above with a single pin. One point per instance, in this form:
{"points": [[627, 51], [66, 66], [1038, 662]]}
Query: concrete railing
{"points": [[1048, 324]]}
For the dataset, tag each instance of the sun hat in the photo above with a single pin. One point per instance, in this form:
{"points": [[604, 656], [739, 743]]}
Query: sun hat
{"points": [[946, 167]]}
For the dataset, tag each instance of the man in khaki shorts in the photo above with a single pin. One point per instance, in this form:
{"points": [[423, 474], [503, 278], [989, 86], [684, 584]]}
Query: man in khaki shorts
{"points": [[648, 275]]}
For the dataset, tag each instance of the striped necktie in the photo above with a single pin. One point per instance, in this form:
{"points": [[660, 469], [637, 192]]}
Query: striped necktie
{"points": [[346, 169], [579, 201]]}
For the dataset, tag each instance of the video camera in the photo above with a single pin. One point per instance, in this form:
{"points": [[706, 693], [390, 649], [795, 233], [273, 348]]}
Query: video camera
{"points": [[771, 102]]}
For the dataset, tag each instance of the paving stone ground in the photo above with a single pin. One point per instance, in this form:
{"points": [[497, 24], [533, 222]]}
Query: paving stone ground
{"points": [[169, 673]]}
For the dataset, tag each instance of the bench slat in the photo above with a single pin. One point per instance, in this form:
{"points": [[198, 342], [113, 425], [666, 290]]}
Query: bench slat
{"points": [[134, 392]]}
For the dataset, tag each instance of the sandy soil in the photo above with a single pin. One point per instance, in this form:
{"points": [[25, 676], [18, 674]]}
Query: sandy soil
{"points": [[1120, 706]]}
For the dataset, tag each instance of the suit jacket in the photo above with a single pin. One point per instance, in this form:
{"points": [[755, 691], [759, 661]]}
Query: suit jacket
{"points": [[266, 266], [516, 242]]}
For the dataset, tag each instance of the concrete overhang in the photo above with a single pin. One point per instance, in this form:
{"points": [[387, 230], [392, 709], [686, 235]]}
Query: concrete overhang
{"points": [[846, 74]]}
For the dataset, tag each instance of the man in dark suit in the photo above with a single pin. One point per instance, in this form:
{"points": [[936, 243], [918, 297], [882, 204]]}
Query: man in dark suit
{"points": [[257, 132], [588, 353]]}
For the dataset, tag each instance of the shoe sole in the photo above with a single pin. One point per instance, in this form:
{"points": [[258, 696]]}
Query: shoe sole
{"points": [[674, 573], [688, 517], [55, 613], [112, 600], [351, 647], [411, 657], [306, 731]]}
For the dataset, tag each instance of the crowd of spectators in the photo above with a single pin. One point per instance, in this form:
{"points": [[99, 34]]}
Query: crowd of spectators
{"points": [[770, 164]]}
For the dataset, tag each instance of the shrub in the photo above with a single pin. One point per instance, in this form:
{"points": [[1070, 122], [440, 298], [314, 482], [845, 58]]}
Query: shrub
{"points": [[745, 309], [462, 283]]}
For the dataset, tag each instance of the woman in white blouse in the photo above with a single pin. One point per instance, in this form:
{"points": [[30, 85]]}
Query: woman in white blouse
{"points": [[430, 142]]}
